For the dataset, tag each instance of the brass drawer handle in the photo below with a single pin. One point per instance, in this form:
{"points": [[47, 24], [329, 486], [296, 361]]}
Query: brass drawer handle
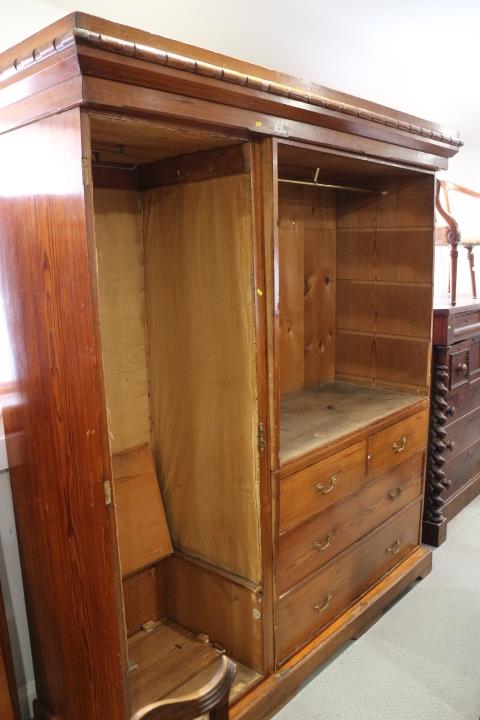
{"points": [[325, 543], [400, 446], [395, 494], [325, 489], [320, 608], [463, 368], [395, 548]]}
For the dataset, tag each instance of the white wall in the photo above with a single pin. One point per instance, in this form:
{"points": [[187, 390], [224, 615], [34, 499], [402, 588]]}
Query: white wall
{"points": [[12, 588], [415, 56]]}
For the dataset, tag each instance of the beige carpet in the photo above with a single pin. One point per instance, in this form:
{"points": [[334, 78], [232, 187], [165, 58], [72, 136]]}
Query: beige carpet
{"points": [[421, 660]]}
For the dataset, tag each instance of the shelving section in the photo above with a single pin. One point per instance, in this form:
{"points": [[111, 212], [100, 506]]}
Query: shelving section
{"points": [[355, 294]]}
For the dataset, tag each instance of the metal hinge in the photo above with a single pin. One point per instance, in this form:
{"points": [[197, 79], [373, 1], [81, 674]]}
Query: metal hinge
{"points": [[86, 171], [261, 437], [107, 489]]}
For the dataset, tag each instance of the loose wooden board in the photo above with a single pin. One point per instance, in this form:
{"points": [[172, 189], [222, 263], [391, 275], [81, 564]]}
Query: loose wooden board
{"points": [[143, 536]]}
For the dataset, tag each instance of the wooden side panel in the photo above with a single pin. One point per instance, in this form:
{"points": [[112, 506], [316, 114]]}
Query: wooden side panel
{"points": [[384, 284], [144, 596], [56, 425], [307, 286], [118, 235], [200, 317], [204, 601]]}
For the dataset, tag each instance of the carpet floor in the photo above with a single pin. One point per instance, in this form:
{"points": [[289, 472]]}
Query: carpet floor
{"points": [[421, 660]]}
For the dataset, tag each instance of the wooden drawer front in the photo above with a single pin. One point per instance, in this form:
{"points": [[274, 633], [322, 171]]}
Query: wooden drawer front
{"points": [[462, 468], [462, 434], [462, 401], [392, 446], [465, 324], [303, 611], [304, 550], [313, 489], [459, 368]]}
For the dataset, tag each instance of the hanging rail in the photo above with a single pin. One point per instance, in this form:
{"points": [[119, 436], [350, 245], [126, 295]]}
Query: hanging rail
{"points": [[315, 183]]}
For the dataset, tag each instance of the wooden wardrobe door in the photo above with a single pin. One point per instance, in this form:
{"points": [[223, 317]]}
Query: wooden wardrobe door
{"points": [[55, 422]]}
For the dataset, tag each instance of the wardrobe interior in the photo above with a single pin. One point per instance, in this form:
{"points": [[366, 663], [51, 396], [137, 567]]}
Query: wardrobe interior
{"points": [[173, 236]]}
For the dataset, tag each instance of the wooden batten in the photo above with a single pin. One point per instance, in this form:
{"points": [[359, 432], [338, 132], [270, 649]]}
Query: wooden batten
{"points": [[143, 536], [201, 165]]}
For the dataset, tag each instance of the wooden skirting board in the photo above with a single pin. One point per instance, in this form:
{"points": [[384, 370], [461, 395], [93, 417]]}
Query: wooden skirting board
{"points": [[275, 691]]}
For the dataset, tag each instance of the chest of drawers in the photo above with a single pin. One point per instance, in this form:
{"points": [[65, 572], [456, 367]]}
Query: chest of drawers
{"points": [[344, 522], [454, 450]]}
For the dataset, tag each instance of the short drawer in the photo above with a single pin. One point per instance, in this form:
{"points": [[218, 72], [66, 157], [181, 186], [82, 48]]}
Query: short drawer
{"points": [[392, 446], [315, 488], [308, 547], [303, 611], [459, 368]]}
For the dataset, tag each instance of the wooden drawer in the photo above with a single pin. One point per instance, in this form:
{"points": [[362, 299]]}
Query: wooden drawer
{"points": [[392, 446], [461, 434], [313, 489], [459, 368], [462, 401], [305, 549], [303, 611]]}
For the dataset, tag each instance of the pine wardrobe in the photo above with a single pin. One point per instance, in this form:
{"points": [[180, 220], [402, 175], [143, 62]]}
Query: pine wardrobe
{"points": [[217, 283]]}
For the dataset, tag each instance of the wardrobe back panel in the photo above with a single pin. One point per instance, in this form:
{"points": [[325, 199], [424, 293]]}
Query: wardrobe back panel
{"points": [[384, 284], [199, 296], [307, 286], [118, 233]]}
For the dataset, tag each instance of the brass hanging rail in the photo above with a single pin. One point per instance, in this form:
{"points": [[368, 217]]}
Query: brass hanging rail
{"points": [[312, 183]]}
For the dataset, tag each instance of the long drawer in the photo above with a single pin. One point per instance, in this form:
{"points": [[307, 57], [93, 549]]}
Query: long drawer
{"points": [[304, 610], [395, 444], [308, 492], [305, 549]]}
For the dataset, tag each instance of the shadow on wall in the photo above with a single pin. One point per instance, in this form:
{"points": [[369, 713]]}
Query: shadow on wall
{"points": [[12, 588]]}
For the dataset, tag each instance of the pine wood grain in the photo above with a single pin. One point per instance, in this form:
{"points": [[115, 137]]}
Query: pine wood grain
{"points": [[307, 286], [200, 317], [65, 530], [143, 535], [322, 413], [230, 612]]}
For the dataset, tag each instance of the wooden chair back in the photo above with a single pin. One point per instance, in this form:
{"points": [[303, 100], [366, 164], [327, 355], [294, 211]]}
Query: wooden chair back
{"points": [[211, 698]]}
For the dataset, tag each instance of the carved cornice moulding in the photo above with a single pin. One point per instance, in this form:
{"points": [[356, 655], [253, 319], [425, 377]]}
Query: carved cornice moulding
{"points": [[100, 41]]}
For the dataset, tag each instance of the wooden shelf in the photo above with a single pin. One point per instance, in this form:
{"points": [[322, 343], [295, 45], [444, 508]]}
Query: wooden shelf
{"points": [[171, 661], [325, 412]]}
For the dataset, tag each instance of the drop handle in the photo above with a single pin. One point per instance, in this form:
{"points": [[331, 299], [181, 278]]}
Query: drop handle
{"points": [[317, 608], [395, 494], [400, 445], [450, 411], [395, 548], [325, 489], [450, 445], [463, 368], [324, 544]]}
